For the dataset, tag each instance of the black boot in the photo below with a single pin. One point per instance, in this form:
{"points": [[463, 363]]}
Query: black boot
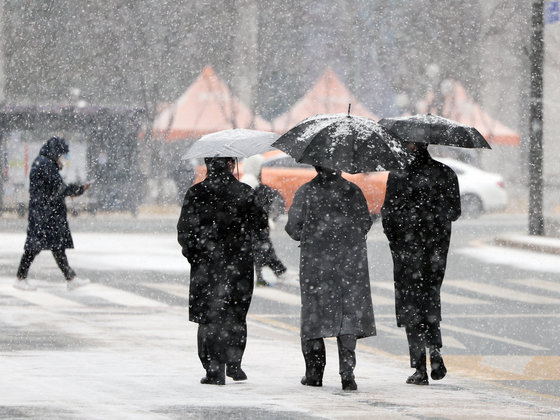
{"points": [[236, 373], [348, 382], [215, 376], [311, 382], [420, 377], [438, 367]]}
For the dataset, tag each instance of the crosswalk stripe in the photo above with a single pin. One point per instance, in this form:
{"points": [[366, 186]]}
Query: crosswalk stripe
{"points": [[547, 285], [39, 297], [502, 292], [118, 296], [446, 326], [273, 294], [278, 296], [448, 341], [174, 289], [448, 298], [379, 300]]}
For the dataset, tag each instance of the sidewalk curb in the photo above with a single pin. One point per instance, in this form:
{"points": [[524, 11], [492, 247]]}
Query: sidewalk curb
{"points": [[541, 244]]}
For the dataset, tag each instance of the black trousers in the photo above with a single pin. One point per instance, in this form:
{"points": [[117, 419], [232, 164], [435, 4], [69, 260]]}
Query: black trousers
{"points": [[265, 255], [315, 356], [59, 255], [221, 344], [419, 337]]}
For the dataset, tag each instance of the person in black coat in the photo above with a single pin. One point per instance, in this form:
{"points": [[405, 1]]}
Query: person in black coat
{"points": [[420, 204], [218, 221], [47, 221]]}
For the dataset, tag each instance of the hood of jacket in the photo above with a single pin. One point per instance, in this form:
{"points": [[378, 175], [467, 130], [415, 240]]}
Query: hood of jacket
{"points": [[54, 148]]}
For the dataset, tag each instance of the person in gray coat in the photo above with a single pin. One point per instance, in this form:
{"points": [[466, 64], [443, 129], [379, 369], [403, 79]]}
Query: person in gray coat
{"points": [[330, 218]]}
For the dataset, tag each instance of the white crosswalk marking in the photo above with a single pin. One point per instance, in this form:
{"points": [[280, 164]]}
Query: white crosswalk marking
{"points": [[38, 297], [446, 326], [550, 286], [174, 289], [118, 296], [446, 297], [379, 300], [47, 295], [502, 292], [278, 296]]}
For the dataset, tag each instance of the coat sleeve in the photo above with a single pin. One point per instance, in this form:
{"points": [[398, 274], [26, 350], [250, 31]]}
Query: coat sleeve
{"points": [[60, 188], [296, 216], [452, 196], [362, 212], [187, 229], [392, 205]]}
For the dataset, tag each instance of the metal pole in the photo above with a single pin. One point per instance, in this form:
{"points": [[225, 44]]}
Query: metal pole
{"points": [[536, 219]]}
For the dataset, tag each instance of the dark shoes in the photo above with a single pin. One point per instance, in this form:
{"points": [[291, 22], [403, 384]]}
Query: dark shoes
{"points": [[213, 380], [311, 382], [236, 373], [420, 377], [348, 383], [438, 368]]}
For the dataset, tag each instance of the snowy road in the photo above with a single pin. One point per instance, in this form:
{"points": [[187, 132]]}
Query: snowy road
{"points": [[122, 348]]}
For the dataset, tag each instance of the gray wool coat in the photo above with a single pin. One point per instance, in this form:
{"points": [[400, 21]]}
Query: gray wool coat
{"points": [[330, 218]]}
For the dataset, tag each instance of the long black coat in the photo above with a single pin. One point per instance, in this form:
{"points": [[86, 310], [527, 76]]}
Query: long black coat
{"points": [[47, 221], [218, 219], [330, 218], [420, 204]]}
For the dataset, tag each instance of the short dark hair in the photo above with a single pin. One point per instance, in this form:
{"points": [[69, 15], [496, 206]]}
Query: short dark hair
{"points": [[217, 163]]}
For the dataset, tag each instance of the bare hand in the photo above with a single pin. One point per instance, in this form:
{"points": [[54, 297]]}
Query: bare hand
{"points": [[86, 186]]}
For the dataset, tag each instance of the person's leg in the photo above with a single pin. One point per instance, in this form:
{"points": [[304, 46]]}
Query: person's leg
{"points": [[23, 269], [236, 344], [25, 263], [434, 343], [416, 337], [347, 361], [59, 255], [315, 360], [210, 352]]}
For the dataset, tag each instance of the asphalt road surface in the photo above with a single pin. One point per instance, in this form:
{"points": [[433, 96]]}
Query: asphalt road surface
{"points": [[500, 307]]}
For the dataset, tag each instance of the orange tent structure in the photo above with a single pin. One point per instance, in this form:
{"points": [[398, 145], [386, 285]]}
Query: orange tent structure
{"points": [[328, 96], [207, 106], [459, 106]]}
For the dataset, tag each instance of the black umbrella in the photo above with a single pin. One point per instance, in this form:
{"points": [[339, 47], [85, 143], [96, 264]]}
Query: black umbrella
{"points": [[433, 129], [342, 141]]}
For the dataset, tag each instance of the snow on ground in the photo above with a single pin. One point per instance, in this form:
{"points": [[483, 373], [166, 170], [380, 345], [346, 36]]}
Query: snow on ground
{"points": [[525, 260], [112, 251], [66, 358], [142, 364]]}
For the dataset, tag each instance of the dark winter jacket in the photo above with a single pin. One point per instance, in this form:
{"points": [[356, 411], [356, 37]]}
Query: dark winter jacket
{"points": [[218, 219], [48, 224], [330, 218], [420, 204]]}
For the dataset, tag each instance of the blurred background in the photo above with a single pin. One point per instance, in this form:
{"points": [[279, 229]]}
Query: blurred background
{"points": [[102, 73]]}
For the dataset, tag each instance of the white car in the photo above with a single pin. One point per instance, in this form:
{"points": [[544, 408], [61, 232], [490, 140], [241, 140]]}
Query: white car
{"points": [[481, 191]]}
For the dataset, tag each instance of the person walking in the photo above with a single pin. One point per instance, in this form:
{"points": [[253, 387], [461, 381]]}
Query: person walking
{"points": [[47, 220], [330, 218], [265, 254], [420, 204], [218, 221]]}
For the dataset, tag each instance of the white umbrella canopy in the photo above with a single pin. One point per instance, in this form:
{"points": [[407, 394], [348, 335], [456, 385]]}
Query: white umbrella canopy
{"points": [[235, 142]]}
